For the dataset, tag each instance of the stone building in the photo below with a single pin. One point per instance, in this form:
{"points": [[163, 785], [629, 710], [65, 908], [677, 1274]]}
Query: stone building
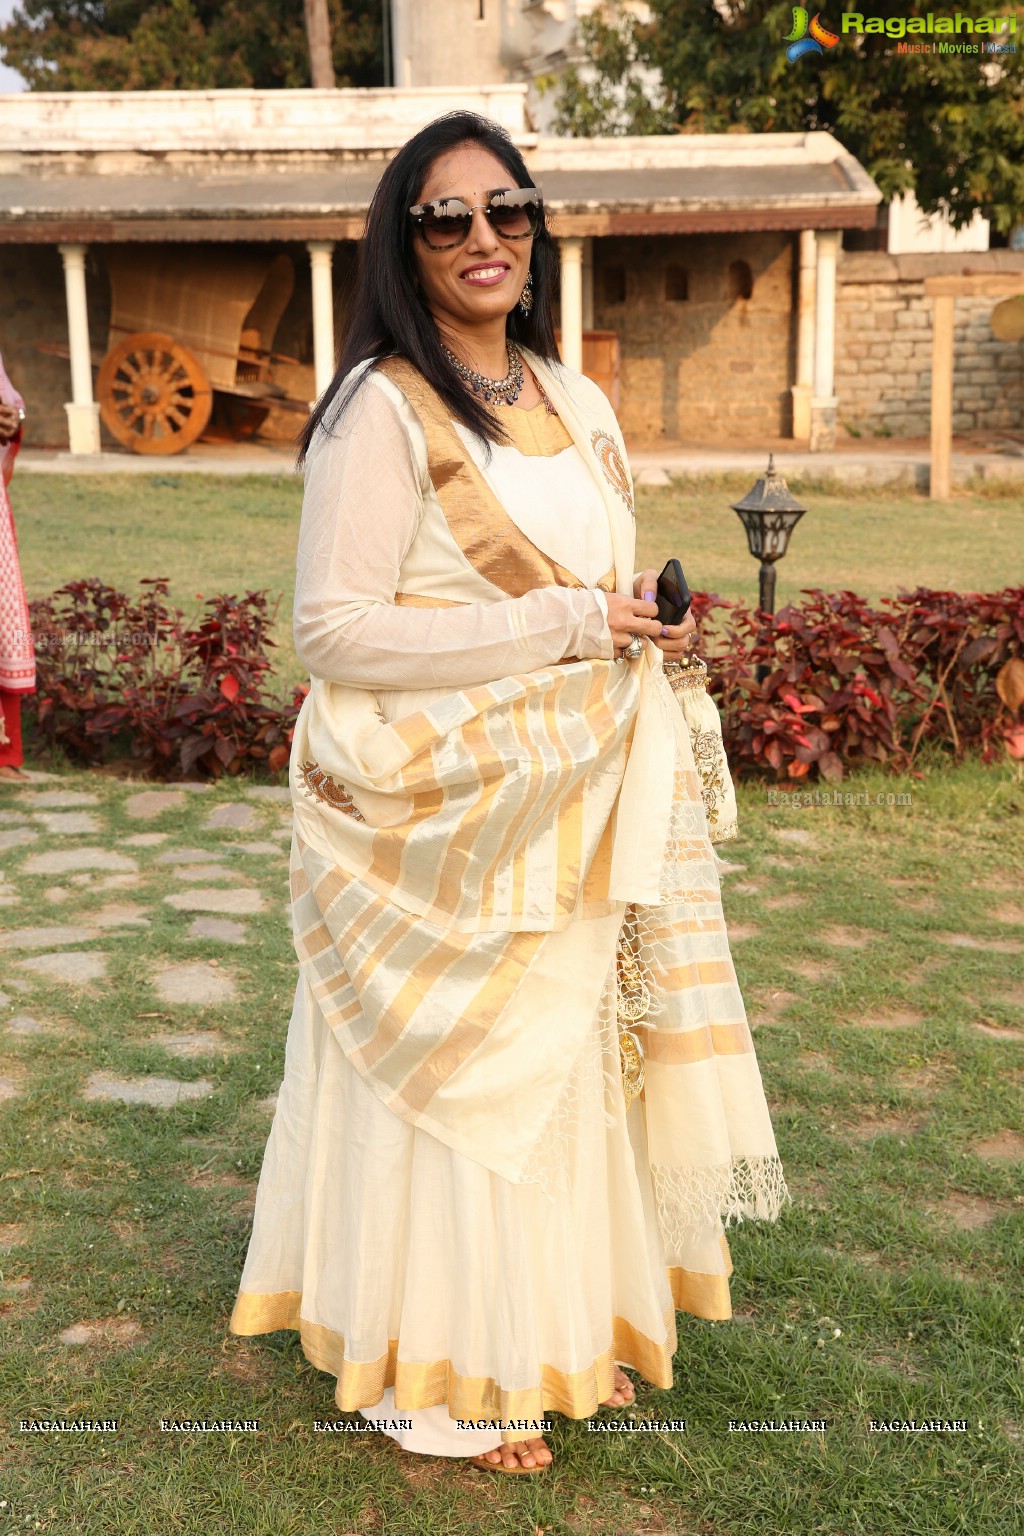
{"points": [[698, 273]]}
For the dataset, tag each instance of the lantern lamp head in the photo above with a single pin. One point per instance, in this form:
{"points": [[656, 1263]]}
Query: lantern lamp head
{"points": [[769, 514]]}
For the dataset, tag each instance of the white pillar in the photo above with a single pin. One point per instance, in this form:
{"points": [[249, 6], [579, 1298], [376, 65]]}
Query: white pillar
{"points": [[571, 248], [82, 411], [823, 402], [803, 388], [320, 256]]}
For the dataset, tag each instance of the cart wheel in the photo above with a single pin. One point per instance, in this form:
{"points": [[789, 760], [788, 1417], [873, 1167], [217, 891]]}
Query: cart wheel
{"points": [[154, 394]]}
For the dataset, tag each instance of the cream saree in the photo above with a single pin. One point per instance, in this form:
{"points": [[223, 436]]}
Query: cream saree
{"points": [[485, 881]]}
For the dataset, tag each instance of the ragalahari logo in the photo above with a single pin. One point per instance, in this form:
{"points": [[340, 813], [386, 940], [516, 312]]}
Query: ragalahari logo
{"points": [[808, 36]]}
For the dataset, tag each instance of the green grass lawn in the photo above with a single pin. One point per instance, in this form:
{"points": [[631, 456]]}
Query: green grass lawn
{"points": [[879, 952], [209, 534]]}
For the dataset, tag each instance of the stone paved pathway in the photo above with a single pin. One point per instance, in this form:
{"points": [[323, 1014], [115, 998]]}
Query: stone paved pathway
{"points": [[65, 850]]}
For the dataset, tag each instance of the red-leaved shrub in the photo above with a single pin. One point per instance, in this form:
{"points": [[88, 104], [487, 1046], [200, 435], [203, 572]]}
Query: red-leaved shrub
{"points": [[845, 683], [131, 678], [848, 684]]}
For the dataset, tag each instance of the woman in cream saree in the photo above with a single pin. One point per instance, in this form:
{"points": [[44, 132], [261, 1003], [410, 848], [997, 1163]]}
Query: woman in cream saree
{"points": [[500, 859]]}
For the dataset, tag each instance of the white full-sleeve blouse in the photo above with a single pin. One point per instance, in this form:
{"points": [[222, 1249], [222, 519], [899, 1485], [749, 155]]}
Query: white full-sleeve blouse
{"points": [[372, 527]]}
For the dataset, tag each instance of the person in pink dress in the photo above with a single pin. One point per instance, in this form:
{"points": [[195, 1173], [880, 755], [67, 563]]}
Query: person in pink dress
{"points": [[17, 654]]}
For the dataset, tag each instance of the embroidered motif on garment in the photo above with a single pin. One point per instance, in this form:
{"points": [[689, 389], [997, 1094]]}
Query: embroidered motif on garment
{"points": [[633, 1006], [610, 460], [320, 784], [707, 754]]}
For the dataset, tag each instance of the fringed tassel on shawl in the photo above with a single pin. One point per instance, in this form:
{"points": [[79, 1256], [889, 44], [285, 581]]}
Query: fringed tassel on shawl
{"points": [[689, 1200]]}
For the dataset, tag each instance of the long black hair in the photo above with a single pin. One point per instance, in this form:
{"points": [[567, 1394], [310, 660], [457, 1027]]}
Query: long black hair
{"points": [[390, 318]]}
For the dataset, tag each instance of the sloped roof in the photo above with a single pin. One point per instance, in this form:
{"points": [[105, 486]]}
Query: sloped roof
{"points": [[260, 167]]}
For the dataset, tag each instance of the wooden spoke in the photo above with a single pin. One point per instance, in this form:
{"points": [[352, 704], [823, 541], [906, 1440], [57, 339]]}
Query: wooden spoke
{"points": [[154, 394]]}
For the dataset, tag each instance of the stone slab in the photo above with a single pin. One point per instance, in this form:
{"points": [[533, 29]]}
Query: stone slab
{"points": [[106, 882], [121, 914], [77, 966], [24, 1024], [17, 837], [158, 1092], [205, 872], [58, 861], [266, 849], [270, 792], [222, 929], [68, 823], [189, 856], [62, 798], [234, 817], [154, 802], [237, 903], [42, 938], [196, 982], [145, 839]]}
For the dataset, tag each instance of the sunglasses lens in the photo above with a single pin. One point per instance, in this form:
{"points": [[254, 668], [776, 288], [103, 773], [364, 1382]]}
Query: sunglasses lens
{"points": [[514, 221], [442, 230]]}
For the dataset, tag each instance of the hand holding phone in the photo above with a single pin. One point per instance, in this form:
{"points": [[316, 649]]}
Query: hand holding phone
{"points": [[673, 595]]}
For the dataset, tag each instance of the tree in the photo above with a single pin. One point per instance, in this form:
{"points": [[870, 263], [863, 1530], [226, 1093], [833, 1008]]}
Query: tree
{"points": [[949, 127], [318, 33], [137, 45]]}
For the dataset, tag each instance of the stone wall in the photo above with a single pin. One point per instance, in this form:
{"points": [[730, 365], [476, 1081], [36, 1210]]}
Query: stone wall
{"points": [[884, 347], [700, 362]]}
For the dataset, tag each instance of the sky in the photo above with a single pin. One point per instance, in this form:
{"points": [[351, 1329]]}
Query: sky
{"points": [[9, 81]]}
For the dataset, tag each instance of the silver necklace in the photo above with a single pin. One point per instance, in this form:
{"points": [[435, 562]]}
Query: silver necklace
{"points": [[502, 391]]}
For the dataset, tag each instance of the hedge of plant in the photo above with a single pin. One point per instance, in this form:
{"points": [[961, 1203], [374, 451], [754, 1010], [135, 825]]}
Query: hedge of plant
{"points": [[848, 684], [845, 683]]}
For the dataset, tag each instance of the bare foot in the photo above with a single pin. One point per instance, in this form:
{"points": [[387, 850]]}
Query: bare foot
{"points": [[9, 771], [624, 1391], [516, 1456]]}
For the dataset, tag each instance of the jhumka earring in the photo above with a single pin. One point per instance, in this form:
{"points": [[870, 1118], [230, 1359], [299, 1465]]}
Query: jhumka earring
{"points": [[526, 297]]}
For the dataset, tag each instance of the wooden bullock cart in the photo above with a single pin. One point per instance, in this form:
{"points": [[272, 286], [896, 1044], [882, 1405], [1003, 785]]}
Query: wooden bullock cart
{"points": [[190, 345]]}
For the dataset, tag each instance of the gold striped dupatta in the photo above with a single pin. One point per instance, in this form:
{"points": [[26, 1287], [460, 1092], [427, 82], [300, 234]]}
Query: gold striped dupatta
{"points": [[459, 879]]}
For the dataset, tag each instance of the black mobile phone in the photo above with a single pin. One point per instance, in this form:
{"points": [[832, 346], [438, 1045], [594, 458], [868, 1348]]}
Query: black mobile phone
{"points": [[673, 594]]}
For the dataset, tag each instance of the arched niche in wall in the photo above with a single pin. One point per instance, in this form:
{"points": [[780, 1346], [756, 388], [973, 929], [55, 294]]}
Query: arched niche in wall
{"points": [[740, 280]]}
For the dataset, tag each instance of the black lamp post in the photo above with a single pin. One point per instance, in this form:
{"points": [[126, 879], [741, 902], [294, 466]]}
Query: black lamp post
{"points": [[769, 514]]}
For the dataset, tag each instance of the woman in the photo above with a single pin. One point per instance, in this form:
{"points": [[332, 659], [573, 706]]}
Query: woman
{"points": [[500, 853], [17, 654]]}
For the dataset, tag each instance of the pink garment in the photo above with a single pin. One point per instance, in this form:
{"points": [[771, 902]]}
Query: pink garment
{"points": [[17, 652]]}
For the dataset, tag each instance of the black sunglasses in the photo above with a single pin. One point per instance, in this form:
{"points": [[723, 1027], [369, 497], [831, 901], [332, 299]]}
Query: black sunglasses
{"points": [[513, 213]]}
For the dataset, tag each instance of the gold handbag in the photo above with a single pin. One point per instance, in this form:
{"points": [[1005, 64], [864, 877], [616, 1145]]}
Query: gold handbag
{"points": [[689, 682]]}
